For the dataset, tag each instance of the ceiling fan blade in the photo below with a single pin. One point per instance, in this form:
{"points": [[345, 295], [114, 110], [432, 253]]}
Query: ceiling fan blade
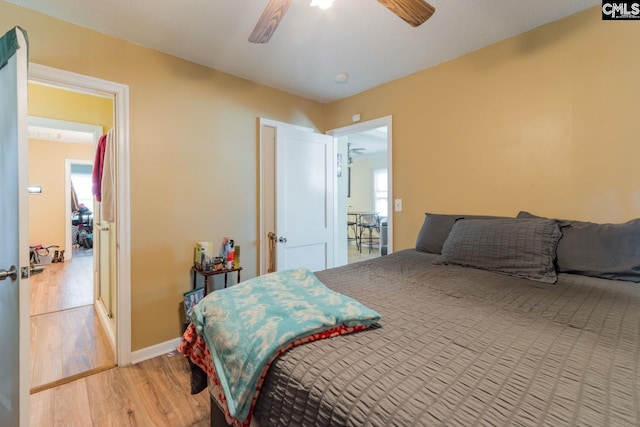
{"points": [[269, 20], [414, 12]]}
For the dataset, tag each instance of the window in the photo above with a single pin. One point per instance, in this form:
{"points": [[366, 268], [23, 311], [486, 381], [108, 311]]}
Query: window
{"points": [[381, 192], [82, 183]]}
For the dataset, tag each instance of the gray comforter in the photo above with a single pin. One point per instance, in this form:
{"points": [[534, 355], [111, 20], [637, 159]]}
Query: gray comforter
{"points": [[459, 346]]}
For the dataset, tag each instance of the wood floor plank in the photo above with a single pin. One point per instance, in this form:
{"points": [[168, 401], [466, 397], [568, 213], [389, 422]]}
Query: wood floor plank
{"points": [[67, 343], [32, 351], [155, 392], [63, 285], [180, 380], [170, 378], [151, 393], [106, 394], [157, 400], [47, 365], [69, 379], [117, 419], [72, 405], [67, 337], [75, 365], [50, 367], [41, 407]]}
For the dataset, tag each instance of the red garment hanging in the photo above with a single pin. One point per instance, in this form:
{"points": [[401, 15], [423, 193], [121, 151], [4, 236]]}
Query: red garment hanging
{"points": [[98, 166]]}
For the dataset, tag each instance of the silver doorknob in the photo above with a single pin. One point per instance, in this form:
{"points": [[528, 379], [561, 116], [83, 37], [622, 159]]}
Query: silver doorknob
{"points": [[282, 240], [12, 273]]}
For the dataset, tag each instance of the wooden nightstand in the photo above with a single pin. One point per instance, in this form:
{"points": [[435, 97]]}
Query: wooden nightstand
{"points": [[197, 269]]}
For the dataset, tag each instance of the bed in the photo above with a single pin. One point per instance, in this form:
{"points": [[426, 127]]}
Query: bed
{"points": [[463, 344]]}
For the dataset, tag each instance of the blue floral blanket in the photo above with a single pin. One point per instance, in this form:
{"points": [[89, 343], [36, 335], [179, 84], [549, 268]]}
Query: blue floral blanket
{"points": [[244, 326]]}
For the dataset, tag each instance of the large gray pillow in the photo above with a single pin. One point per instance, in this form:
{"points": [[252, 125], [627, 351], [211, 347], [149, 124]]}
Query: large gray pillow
{"points": [[518, 247], [436, 228], [610, 251]]}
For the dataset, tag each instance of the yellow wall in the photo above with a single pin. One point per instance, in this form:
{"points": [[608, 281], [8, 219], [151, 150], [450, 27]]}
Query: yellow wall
{"points": [[61, 104], [543, 121], [47, 211], [193, 156], [546, 121]]}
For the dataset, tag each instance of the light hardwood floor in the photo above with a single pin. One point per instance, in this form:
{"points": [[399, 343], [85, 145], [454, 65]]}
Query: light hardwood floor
{"points": [[151, 393], [67, 344], [67, 339], [63, 285]]}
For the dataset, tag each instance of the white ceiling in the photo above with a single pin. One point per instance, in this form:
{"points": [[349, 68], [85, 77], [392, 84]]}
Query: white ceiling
{"points": [[59, 135], [45, 129], [368, 143], [360, 37]]}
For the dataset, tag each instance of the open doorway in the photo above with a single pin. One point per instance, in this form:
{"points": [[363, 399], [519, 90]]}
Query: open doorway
{"points": [[119, 318], [68, 340], [363, 189]]}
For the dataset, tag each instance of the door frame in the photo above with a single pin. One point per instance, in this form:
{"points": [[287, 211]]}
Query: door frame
{"points": [[363, 127], [120, 95]]}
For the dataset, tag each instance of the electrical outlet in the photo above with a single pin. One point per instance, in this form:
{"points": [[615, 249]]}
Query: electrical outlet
{"points": [[398, 205]]}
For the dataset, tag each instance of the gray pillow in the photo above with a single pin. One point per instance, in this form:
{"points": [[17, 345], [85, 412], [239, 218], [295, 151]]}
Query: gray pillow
{"points": [[609, 251], [518, 247], [436, 228]]}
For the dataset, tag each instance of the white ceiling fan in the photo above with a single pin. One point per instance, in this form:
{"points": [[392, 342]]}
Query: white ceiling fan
{"points": [[356, 151], [414, 12]]}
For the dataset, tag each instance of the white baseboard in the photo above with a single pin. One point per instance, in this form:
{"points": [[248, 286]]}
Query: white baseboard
{"points": [[155, 350]]}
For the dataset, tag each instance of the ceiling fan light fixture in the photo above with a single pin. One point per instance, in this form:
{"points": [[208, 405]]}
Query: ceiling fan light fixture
{"points": [[322, 4], [414, 12]]}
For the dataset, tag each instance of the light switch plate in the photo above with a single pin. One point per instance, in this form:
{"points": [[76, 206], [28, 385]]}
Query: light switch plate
{"points": [[398, 205]]}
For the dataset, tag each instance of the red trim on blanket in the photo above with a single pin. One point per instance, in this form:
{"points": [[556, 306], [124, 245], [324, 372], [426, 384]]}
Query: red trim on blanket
{"points": [[194, 347]]}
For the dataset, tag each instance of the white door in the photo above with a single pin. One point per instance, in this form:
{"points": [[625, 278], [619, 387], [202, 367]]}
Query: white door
{"points": [[304, 199], [14, 230]]}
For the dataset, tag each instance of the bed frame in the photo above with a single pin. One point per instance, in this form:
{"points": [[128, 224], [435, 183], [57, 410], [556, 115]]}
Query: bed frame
{"points": [[217, 416]]}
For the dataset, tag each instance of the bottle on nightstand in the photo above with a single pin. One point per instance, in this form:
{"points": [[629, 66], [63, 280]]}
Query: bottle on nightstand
{"points": [[236, 257]]}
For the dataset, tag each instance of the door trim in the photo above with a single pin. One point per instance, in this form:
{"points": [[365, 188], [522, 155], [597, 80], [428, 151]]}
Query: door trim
{"points": [[120, 95], [362, 127]]}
